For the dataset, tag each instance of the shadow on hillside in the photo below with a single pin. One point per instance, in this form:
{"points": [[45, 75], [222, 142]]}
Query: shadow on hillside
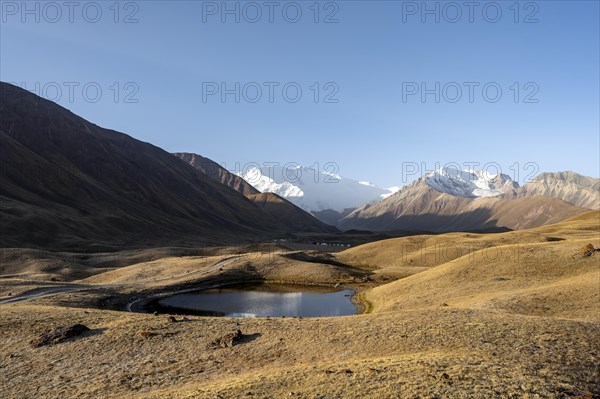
{"points": [[327, 259], [477, 221]]}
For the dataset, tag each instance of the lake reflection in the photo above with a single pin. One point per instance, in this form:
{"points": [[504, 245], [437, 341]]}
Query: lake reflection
{"points": [[265, 300]]}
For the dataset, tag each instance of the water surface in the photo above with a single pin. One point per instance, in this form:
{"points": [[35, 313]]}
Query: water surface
{"points": [[264, 301]]}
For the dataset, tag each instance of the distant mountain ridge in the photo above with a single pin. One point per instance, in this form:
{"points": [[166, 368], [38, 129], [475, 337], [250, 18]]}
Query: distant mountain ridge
{"points": [[420, 205], [278, 207], [313, 190], [568, 186], [469, 183], [443, 202]]}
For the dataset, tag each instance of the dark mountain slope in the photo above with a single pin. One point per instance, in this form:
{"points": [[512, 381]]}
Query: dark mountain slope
{"points": [[66, 181], [217, 172]]}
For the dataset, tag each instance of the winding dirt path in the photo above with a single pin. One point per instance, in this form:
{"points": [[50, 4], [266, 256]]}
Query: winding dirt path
{"points": [[61, 289], [45, 291]]}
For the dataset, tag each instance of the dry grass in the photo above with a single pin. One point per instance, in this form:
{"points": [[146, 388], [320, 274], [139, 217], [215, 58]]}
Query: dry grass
{"points": [[517, 318], [544, 279], [261, 266], [405, 354], [409, 255]]}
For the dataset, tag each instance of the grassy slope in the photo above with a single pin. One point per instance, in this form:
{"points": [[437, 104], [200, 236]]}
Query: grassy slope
{"points": [[533, 272], [409, 255], [533, 333]]}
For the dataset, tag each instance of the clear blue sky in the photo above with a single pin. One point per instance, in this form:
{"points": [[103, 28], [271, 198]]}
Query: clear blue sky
{"points": [[371, 56]]}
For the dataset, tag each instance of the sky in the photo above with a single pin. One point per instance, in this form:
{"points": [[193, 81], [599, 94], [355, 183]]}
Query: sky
{"points": [[379, 91]]}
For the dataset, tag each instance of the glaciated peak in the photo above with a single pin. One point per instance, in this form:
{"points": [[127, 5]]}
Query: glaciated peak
{"points": [[469, 183], [265, 183], [312, 189]]}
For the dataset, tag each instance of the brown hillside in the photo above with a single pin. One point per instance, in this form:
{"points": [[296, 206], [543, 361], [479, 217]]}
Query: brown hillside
{"points": [[66, 181], [419, 207], [572, 187]]}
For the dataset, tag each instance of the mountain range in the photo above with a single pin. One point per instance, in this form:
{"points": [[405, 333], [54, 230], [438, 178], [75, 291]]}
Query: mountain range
{"points": [[67, 182], [443, 200], [423, 206]]}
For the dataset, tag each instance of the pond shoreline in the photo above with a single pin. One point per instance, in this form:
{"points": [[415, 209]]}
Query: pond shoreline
{"points": [[149, 303]]}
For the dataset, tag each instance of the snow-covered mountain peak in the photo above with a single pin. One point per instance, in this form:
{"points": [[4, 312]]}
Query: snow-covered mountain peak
{"points": [[469, 183], [312, 190], [267, 183]]}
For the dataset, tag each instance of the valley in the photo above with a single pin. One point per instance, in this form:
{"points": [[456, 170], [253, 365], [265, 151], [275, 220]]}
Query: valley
{"points": [[130, 271], [515, 311], [220, 200]]}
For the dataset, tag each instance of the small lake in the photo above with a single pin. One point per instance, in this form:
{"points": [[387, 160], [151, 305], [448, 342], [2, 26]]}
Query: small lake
{"points": [[261, 301]]}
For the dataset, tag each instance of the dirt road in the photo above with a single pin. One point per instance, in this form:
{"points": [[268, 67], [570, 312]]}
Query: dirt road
{"points": [[61, 289]]}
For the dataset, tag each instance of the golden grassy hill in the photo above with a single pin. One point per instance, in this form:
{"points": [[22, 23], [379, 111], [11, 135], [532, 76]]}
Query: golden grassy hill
{"points": [[409, 255], [515, 317], [538, 272]]}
